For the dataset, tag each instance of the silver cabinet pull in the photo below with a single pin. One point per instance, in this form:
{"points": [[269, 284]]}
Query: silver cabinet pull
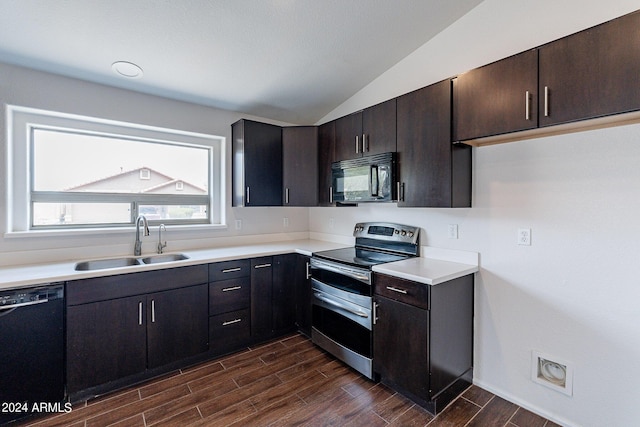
{"points": [[365, 146], [330, 194], [546, 101], [153, 311], [308, 271], [231, 322], [357, 144], [286, 196], [375, 313], [231, 270], [527, 106], [248, 196], [400, 191], [232, 288], [140, 313], [262, 265], [400, 291]]}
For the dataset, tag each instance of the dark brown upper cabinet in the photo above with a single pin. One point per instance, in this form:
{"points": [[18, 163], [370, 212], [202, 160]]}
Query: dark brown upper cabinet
{"points": [[300, 166], [592, 73], [370, 131], [326, 154], [498, 98], [257, 164], [433, 171]]}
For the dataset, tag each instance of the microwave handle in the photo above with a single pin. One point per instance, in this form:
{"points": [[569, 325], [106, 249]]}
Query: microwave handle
{"points": [[375, 183]]}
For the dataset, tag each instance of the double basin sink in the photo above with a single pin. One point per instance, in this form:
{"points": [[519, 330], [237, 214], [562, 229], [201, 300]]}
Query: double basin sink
{"points": [[101, 264]]}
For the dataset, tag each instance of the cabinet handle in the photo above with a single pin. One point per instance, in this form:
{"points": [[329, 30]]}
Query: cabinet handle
{"points": [[248, 196], [140, 313], [231, 322], [375, 313], [330, 194], [286, 196], [357, 144], [400, 291], [262, 265], [231, 270], [365, 146], [546, 101], [400, 191], [233, 288], [153, 311], [308, 271], [527, 106]]}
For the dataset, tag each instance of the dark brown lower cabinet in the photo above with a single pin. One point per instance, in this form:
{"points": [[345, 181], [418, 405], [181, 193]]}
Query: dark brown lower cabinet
{"points": [[285, 281], [302, 294], [423, 338], [119, 329], [261, 294]]}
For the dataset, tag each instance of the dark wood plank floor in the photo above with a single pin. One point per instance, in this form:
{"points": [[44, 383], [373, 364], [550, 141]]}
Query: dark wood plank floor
{"points": [[283, 383]]}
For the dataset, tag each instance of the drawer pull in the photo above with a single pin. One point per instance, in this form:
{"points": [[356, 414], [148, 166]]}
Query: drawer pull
{"points": [[400, 291], [233, 288], [231, 322], [231, 270], [262, 265]]}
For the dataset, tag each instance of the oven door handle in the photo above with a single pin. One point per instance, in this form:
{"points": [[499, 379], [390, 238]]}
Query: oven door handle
{"points": [[340, 306], [363, 277]]}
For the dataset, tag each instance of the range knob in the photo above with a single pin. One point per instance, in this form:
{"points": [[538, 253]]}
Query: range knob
{"points": [[404, 233]]}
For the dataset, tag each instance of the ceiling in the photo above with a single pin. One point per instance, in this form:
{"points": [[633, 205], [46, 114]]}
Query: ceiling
{"points": [[288, 60]]}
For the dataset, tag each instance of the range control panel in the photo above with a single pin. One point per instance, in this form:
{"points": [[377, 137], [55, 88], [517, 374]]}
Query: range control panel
{"points": [[387, 231]]}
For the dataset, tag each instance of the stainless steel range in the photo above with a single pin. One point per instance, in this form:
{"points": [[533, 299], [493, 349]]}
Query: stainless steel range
{"points": [[342, 292]]}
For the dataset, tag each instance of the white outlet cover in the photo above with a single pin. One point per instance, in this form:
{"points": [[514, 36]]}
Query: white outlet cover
{"points": [[524, 236], [453, 231], [551, 372]]}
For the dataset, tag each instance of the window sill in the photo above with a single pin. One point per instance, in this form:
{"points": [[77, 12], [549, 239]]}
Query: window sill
{"points": [[105, 230]]}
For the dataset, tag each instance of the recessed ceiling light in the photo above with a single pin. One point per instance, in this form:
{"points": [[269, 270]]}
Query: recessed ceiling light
{"points": [[127, 69]]}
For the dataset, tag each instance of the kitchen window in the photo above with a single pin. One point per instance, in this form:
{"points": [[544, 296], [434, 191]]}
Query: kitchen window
{"points": [[68, 172]]}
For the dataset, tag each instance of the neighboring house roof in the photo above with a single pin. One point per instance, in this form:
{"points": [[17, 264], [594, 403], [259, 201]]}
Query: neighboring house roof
{"points": [[140, 180]]}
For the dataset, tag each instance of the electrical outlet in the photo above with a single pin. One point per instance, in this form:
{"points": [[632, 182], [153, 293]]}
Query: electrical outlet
{"points": [[285, 222], [453, 231], [238, 224], [524, 236]]}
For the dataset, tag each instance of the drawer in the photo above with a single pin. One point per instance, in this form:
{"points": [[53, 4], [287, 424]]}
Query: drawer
{"points": [[229, 295], [229, 331], [229, 270], [413, 293]]}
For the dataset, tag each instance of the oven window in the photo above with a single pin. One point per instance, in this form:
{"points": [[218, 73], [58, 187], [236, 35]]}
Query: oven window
{"points": [[340, 281], [344, 331]]}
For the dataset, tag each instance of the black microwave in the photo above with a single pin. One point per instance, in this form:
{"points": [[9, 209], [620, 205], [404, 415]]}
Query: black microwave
{"points": [[366, 179]]}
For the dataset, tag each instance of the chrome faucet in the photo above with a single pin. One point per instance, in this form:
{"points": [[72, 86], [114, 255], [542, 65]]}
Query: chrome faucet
{"points": [[161, 245], [137, 250]]}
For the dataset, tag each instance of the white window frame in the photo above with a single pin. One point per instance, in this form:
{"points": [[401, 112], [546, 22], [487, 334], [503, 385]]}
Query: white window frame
{"points": [[22, 120]]}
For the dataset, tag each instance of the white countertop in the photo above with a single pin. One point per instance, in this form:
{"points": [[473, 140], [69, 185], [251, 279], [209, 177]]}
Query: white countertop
{"points": [[428, 270], [33, 275]]}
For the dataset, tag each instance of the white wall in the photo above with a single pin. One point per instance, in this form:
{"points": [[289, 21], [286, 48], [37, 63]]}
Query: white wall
{"points": [[28, 88], [574, 293]]}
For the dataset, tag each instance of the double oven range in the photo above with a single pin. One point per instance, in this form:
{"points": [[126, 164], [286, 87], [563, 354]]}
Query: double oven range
{"points": [[343, 312]]}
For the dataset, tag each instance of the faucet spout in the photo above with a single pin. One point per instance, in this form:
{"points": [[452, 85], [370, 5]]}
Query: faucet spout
{"points": [[161, 245], [137, 250]]}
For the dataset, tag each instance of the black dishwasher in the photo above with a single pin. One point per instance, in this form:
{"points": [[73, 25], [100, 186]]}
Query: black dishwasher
{"points": [[31, 351]]}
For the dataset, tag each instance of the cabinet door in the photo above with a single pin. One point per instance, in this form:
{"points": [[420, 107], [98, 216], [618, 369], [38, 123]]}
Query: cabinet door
{"points": [[497, 98], [326, 145], [591, 73], [303, 294], [300, 166], [348, 137], [285, 281], [400, 356], [433, 172], [379, 128], [177, 324], [105, 341], [257, 164], [261, 297]]}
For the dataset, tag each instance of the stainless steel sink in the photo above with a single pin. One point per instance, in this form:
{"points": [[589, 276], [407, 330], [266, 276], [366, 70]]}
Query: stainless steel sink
{"points": [[100, 264], [155, 259]]}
